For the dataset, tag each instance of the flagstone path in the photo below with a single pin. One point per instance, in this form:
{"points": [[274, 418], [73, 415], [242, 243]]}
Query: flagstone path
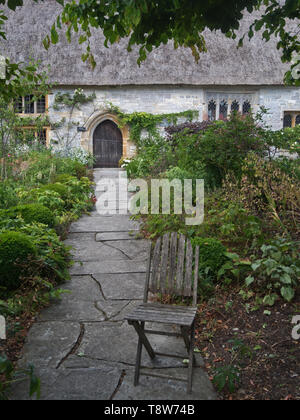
{"points": [[81, 347]]}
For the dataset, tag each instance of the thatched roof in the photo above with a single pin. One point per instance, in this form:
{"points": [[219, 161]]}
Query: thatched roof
{"points": [[257, 63]]}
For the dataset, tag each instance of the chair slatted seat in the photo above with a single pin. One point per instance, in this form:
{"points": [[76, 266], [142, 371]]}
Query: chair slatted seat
{"points": [[170, 271]]}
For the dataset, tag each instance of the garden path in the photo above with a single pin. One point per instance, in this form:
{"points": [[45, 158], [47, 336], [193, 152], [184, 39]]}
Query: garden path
{"points": [[81, 347]]}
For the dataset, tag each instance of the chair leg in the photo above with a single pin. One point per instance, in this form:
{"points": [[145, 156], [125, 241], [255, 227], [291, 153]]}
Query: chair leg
{"points": [[138, 362], [191, 359], [185, 334], [139, 327]]}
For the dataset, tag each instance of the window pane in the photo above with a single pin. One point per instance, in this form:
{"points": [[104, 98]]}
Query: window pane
{"points": [[287, 121], [246, 107], [223, 110], [298, 119], [18, 105], [41, 105], [42, 137], [29, 104], [212, 108], [235, 106]]}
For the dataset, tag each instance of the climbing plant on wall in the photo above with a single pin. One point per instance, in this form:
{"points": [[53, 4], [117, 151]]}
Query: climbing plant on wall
{"points": [[63, 128], [143, 121]]}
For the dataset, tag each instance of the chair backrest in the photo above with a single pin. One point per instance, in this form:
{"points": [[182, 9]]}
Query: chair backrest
{"points": [[170, 267]]}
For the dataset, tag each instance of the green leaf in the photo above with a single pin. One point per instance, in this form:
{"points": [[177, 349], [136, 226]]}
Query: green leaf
{"points": [[232, 256], [287, 293], [286, 279], [54, 35], [249, 280], [12, 4], [35, 386], [82, 39], [256, 265], [46, 42], [269, 300]]}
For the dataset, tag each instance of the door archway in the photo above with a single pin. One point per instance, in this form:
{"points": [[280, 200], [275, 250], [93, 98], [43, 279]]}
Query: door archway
{"points": [[107, 145]]}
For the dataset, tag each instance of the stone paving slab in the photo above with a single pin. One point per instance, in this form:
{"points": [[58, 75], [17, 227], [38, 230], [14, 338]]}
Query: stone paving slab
{"points": [[135, 250], [113, 285], [78, 304], [83, 288], [74, 384], [77, 238], [73, 310], [95, 251], [114, 310], [109, 250], [48, 343], [156, 389], [104, 224], [117, 236], [120, 346], [108, 267]]}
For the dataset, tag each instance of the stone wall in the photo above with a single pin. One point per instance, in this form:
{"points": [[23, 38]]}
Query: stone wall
{"points": [[278, 100], [159, 100]]}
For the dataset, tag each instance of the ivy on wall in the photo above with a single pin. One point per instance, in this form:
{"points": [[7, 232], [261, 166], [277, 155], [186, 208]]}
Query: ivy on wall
{"points": [[143, 121]]}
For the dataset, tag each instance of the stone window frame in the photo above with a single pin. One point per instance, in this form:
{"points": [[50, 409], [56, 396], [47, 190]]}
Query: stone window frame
{"points": [[228, 98], [21, 104], [293, 115], [46, 131]]}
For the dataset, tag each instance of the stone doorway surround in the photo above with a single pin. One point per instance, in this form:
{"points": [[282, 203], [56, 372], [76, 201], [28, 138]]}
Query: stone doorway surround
{"points": [[91, 125]]}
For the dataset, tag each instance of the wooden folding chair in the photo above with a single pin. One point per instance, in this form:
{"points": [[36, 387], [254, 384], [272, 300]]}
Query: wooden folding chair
{"points": [[169, 271]]}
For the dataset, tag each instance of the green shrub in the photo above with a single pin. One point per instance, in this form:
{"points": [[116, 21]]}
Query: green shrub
{"points": [[277, 272], [51, 250], [178, 173], [268, 192], [60, 189], [15, 249], [31, 213], [8, 196], [221, 148], [64, 178], [212, 255], [152, 159], [79, 169]]}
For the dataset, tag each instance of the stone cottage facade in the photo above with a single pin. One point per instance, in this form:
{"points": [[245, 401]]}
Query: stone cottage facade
{"points": [[225, 79]]}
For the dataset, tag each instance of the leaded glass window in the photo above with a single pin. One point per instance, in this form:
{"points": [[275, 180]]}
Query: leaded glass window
{"points": [[41, 105], [235, 106], [298, 119], [221, 104], [212, 110], [42, 137], [223, 110], [246, 108], [287, 121], [29, 104]]}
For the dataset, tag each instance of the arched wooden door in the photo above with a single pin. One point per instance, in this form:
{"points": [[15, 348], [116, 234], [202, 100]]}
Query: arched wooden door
{"points": [[108, 145]]}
